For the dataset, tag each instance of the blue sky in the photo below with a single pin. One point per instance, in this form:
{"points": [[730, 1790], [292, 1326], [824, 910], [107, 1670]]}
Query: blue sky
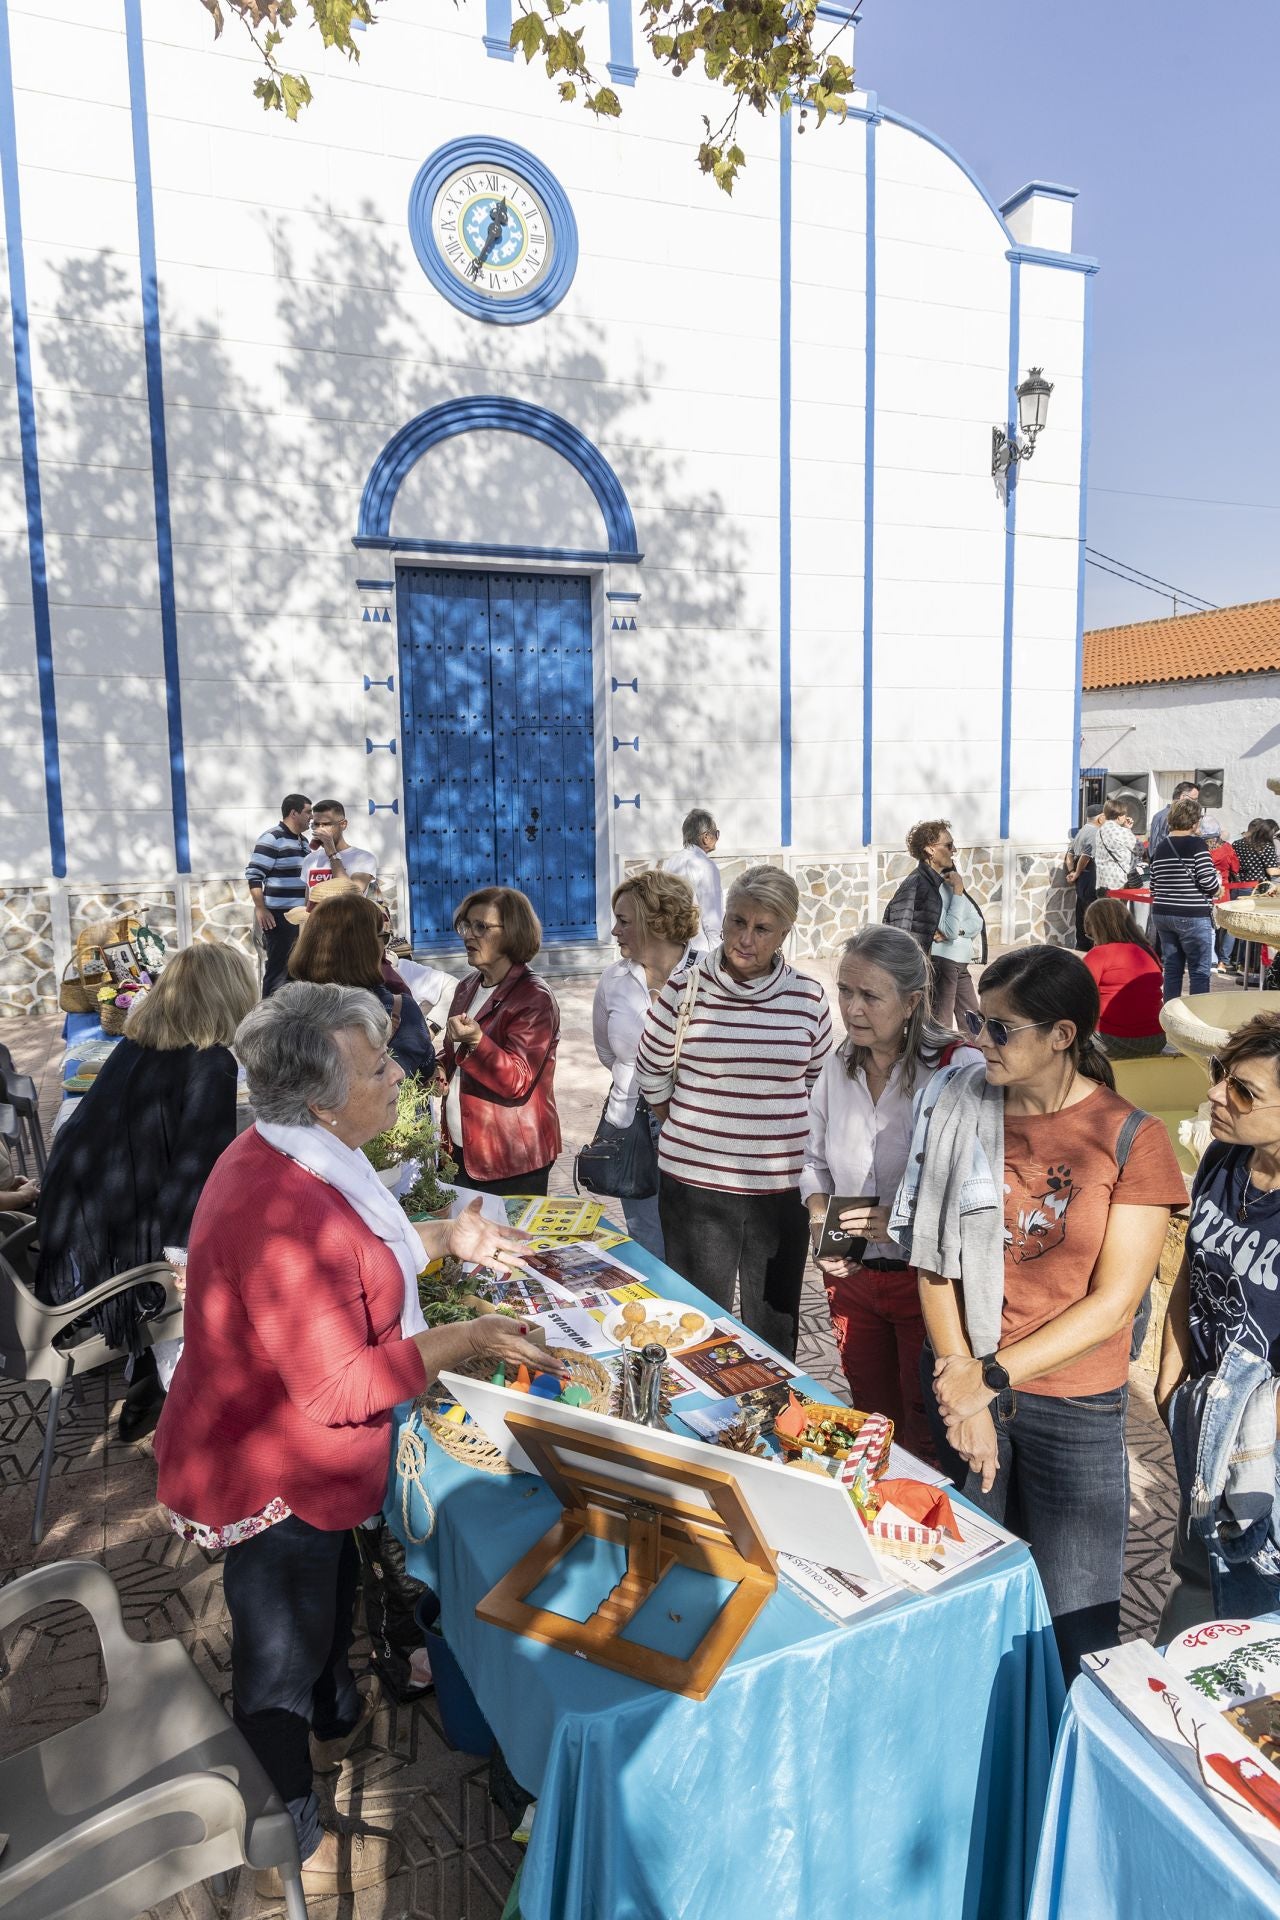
{"points": [[1164, 115]]}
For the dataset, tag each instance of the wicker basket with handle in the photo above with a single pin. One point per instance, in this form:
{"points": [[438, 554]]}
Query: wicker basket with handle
{"points": [[470, 1444]]}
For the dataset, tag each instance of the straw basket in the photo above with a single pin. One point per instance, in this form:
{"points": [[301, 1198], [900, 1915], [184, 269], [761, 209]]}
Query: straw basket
{"points": [[848, 1417], [470, 1444]]}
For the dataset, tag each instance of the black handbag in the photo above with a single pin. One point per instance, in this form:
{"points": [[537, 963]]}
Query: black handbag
{"points": [[620, 1162]]}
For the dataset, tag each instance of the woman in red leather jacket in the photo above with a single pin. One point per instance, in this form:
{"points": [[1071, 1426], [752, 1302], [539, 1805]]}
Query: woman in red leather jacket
{"points": [[499, 1055]]}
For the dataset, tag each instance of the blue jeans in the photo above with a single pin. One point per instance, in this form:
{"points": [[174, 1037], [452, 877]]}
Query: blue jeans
{"points": [[290, 1592], [641, 1216], [1063, 1485], [1186, 940]]}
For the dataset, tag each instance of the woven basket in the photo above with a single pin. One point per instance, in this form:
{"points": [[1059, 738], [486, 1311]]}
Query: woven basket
{"points": [[87, 969], [111, 1018], [470, 1444], [848, 1417]]}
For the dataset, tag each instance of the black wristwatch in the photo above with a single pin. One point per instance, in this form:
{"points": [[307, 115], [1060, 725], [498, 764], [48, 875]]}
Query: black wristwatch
{"points": [[993, 1374]]}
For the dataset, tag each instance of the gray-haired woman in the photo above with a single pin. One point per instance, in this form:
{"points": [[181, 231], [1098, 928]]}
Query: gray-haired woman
{"points": [[303, 1331], [859, 1139], [730, 1051]]}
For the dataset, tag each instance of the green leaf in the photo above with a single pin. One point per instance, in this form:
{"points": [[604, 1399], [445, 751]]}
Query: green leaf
{"points": [[568, 91], [528, 34], [604, 102], [296, 92], [266, 90]]}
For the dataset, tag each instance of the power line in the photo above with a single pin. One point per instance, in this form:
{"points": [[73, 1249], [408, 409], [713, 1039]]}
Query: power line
{"points": [[1192, 499], [1173, 594], [1208, 606]]}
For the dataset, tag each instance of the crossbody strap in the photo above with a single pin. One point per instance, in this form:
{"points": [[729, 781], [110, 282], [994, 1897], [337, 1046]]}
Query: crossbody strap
{"points": [[1127, 1135], [685, 1015]]}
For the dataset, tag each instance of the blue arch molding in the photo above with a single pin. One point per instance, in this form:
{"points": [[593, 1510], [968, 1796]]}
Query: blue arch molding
{"points": [[477, 150], [496, 412]]}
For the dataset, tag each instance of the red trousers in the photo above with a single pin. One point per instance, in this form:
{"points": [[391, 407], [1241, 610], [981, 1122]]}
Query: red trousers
{"points": [[879, 1330]]}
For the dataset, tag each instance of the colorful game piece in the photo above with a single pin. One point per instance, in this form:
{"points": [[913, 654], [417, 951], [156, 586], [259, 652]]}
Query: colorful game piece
{"points": [[521, 1382], [546, 1386], [456, 1416], [498, 1378], [576, 1396]]}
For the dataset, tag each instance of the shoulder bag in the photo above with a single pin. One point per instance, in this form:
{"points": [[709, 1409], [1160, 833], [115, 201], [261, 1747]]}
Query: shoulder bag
{"points": [[622, 1162]]}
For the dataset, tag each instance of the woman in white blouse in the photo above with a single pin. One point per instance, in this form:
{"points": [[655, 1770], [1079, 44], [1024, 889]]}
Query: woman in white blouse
{"points": [[859, 1138], [655, 923]]}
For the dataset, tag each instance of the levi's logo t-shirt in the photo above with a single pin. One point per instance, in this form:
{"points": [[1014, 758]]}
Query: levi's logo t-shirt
{"points": [[1061, 1179]]}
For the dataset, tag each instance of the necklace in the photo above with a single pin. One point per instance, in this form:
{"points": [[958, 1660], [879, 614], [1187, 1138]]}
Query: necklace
{"points": [[1250, 1194]]}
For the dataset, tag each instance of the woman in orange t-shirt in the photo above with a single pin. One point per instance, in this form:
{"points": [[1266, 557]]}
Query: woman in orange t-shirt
{"points": [[1087, 1196]]}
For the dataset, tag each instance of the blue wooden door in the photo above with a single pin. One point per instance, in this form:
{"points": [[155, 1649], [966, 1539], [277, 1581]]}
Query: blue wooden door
{"points": [[499, 744]]}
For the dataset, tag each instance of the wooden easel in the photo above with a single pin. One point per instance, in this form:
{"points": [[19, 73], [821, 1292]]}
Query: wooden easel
{"points": [[604, 1488]]}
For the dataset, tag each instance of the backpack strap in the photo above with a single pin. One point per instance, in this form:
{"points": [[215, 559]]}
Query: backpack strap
{"points": [[1127, 1135]]}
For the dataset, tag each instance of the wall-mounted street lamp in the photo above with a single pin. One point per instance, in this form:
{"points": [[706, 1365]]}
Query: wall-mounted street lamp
{"points": [[1033, 411]]}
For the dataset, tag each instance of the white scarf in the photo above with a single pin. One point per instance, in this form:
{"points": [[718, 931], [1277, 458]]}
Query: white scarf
{"points": [[349, 1172]]}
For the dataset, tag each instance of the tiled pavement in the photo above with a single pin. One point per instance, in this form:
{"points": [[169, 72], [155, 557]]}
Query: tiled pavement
{"points": [[101, 1503]]}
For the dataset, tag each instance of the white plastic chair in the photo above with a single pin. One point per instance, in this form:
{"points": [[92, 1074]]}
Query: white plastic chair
{"points": [[154, 1793], [28, 1330]]}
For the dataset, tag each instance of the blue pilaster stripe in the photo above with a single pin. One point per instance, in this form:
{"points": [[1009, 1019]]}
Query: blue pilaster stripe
{"points": [[869, 498], [1085, 434], [1010, 550], [155, 414], [622, 58], [784, 470], [497, 30], [30, 454]]}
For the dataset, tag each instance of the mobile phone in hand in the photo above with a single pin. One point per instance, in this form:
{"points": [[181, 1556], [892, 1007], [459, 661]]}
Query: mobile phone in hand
{"points": [[837, 1243]]}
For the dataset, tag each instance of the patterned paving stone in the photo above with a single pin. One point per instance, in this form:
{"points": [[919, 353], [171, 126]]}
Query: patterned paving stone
{"points": [[459, 1860]]}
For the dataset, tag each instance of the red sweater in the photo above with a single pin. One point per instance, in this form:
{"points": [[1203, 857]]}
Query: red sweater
{"points": [[293, 1356], [507, 1088], [1129, 987]]}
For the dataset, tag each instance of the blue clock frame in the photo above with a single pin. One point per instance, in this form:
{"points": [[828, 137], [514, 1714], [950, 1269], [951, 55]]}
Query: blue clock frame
{"points": [[474, 151]]}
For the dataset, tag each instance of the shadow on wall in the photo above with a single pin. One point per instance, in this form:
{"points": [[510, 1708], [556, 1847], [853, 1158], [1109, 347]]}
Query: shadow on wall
{"points": [[269, 447]]}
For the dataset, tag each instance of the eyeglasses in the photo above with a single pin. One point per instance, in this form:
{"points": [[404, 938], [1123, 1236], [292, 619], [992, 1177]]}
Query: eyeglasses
{"points": [[1243, 1099], [999, 1030], [478, 927]]}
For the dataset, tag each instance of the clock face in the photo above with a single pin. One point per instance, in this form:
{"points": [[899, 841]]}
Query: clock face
{"points": [[494, 233]]}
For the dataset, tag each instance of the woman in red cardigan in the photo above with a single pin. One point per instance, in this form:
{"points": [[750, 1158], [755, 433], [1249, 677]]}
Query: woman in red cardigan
{"points": [[499, 1055], [303, 1331]]}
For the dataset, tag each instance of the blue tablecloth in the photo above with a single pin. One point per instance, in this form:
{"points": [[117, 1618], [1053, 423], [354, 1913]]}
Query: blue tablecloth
{"points": [[1127, 1838], [897, 1766]]}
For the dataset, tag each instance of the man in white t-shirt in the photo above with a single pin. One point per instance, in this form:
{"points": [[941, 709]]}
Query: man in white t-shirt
{"points": [[700, 873], [331, 855]]}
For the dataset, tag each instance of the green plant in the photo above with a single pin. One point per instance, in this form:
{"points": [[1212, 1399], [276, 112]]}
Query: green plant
{"points": [[764, 53], [412, 1135]]}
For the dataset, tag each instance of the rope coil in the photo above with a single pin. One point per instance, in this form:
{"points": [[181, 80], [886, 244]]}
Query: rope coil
{"points": [[411, 1465]]}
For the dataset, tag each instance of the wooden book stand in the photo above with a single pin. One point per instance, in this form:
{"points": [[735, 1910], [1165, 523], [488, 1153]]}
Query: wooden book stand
{"points": [[621, 1491]]}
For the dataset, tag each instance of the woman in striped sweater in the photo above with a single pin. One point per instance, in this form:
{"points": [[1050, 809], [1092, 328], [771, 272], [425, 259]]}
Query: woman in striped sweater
{"points": [[1184, 886], [730, 1052]]}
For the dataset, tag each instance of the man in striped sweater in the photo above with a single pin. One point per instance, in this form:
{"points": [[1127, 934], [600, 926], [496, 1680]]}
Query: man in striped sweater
{"points": [[730, 1051], [275, 878]]}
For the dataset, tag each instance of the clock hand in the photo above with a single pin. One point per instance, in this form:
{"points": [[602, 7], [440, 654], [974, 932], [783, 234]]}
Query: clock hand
{"points": [[497, 221]]}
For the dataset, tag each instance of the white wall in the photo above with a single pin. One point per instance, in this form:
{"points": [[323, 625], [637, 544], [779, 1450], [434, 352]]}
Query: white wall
{"points": [[299, 333], [1232, 724]]}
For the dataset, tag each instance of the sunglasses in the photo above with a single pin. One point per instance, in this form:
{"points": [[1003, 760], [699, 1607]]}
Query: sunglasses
{"points": [[999, 1030], [1240, 1098]]}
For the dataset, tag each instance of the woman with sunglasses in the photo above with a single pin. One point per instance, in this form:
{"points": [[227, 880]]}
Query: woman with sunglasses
{"points": [[1052, 1196], [1223, 1330]]}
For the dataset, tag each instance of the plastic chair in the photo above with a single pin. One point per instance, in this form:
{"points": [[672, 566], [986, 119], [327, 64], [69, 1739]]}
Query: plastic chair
{"points": [[6, 1060], [11, 1134], [28, 1330], [18, 1244], [20, 1093], [155, 1793]]}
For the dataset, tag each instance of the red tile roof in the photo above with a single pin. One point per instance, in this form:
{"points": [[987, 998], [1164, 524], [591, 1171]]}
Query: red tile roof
{"points": [[1188, 646]]}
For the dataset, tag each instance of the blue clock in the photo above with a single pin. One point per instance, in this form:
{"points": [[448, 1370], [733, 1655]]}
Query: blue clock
{"points": [[493, 230]]}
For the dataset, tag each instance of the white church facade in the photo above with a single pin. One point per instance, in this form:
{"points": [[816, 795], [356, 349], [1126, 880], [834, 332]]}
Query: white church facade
{"points": [[487, 467]]}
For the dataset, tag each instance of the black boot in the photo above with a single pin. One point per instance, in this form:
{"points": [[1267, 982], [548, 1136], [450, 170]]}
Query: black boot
{"points": [[144, 1399]]}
